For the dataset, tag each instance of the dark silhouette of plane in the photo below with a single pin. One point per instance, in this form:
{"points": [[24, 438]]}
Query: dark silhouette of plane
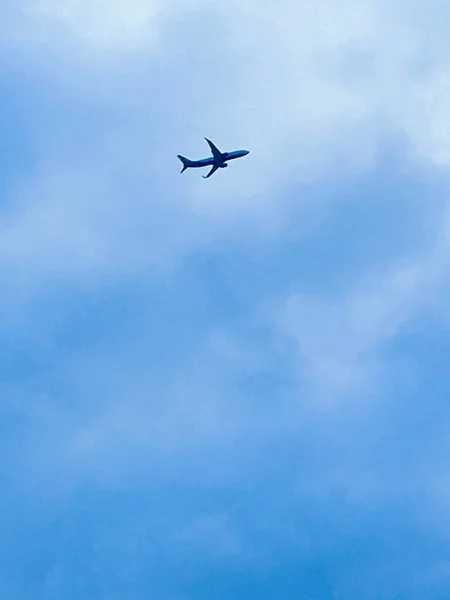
{"points": [[218, 160]]}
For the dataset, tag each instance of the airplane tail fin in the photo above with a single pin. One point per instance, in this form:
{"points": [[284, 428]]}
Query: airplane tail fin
{"points": [[186, 162]]}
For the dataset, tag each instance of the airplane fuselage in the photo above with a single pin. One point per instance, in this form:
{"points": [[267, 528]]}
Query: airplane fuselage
{"points": [[206, 162]]}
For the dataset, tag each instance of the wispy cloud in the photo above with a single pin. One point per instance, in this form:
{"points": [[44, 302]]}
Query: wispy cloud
{"points": [[169, 344]]}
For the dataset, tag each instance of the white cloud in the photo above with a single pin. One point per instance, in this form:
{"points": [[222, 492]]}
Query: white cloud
{"points": [[314, 91], [310, 89], [338, 341], [335, 340], [102, 25], [427, 116]]}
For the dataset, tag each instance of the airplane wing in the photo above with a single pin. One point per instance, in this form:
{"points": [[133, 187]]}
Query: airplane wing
{"points": [[215, 151], [213, 170]]}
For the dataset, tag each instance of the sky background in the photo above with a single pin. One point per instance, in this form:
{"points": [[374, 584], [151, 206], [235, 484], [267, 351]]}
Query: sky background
{"points": [[234, 388]]}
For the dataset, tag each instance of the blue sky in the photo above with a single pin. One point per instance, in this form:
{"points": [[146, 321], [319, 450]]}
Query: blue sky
{"points": [[233, 388]]}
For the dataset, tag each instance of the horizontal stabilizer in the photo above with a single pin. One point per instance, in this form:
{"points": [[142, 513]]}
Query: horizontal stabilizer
{"points": [[186, 162]]}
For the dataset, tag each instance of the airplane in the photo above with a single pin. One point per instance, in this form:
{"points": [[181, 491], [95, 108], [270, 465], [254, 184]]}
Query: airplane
{"points": [[218, 160]]}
